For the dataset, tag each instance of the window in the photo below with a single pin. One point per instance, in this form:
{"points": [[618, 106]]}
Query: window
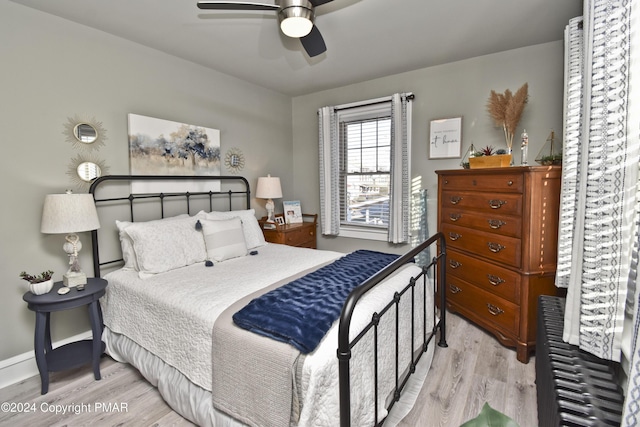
{"points": [[365, 172], [365, 169]]}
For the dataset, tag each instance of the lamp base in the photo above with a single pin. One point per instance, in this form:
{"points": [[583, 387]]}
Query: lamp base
{"points": [[74, 278], [270, 208]]}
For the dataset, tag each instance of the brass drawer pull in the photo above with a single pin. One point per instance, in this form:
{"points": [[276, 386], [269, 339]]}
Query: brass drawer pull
{"points": [[495, 280], [454, 264], [509, 183], [454, 236], [455, 200], [495, 247], [495, 311], [454, 289], [496, 204], [455, 216], [496, 223]]}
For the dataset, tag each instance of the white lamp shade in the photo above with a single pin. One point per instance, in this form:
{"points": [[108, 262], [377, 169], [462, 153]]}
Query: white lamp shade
{"points": [[268, 188], [69, 213]]}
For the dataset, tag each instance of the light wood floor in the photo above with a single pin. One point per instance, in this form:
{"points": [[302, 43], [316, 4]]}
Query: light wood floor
{"points": [[474, 369]]}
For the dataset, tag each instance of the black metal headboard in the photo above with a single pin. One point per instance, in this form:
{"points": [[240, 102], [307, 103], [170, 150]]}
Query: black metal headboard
{"points": [[232, 188]]}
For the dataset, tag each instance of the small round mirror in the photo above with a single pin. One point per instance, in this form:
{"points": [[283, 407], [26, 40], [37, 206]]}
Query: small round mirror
{"points": [[234, 160], [85, 133], [88, 171]]}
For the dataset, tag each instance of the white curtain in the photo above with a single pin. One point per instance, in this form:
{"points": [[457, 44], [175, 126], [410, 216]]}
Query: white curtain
{"points": [[400, 172], [631, 414], [600, 177], [329, 171], [329, 157], [599, 201]]}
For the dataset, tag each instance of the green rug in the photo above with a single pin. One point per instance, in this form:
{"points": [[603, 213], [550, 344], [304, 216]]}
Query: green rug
{"points": [[489, 417]]}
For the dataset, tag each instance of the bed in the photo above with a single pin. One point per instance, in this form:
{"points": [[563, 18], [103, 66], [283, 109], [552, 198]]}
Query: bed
{"points": [[185, 267]]}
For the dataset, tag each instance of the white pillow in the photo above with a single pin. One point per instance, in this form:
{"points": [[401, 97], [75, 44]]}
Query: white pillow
{"points": [[252, 232], [224, 239], [128, 254], [166, 245]]}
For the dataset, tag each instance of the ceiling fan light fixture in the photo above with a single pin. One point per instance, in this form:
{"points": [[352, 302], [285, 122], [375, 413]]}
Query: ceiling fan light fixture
{"points": [[296, 21]]}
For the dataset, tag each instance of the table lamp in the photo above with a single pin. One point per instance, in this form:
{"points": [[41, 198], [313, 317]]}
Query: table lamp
{"points": [[269, 188], [70, 214]]}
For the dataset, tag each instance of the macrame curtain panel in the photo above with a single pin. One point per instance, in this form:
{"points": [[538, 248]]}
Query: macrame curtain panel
{"points": [[599, 199], [599, 181]]}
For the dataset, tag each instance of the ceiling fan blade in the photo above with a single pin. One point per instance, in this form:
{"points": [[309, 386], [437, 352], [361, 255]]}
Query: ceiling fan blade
{"points": [[313, 42], [230, 5], [317, 3]]}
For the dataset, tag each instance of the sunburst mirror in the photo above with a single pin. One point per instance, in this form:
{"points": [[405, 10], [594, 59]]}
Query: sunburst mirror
{"points": [[84, 169], [85, 132], [234, 160]]}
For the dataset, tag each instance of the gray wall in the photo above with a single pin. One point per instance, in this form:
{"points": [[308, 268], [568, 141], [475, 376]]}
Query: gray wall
{"points": [[452, 90], [53, 69]]}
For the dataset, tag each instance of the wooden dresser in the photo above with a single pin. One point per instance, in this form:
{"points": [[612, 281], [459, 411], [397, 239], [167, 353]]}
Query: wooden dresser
{"points": [[302, 235], [501, 226]]}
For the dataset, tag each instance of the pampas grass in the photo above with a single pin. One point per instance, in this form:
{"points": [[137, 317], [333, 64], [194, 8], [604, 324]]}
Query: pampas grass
{"points": [[506, 110]]}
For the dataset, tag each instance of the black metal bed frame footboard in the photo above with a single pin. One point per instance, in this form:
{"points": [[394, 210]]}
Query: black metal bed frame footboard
{"points": [[437, 266], [161, 198]]}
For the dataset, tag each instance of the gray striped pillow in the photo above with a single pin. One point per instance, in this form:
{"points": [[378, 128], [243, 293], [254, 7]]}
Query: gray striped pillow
{"points": [[224, 239]]}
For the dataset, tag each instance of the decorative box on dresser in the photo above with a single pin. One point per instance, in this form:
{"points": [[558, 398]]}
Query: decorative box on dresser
{"points": [[501, 226]]}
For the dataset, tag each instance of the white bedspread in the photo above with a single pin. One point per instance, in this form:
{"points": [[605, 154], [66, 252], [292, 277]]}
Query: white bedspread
{"points": [[156, 312], [320, 380], [190, 299]]}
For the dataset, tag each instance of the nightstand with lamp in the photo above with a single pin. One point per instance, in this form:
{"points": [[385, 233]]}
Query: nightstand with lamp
{"points": [[301, 235], [68, 214]]}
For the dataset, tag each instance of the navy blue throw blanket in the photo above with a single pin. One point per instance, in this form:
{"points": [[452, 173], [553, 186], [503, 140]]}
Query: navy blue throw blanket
{"points": [[302, 311]]}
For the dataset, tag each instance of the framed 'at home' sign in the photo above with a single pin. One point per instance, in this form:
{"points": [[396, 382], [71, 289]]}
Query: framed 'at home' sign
{"points": [[445, 138]]}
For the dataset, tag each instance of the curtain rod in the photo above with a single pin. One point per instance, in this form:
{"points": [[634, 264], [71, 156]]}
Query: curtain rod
{"points": [[410, 96]]}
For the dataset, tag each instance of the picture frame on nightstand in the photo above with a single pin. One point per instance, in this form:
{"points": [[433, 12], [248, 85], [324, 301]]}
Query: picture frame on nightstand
{"points": [[292, 212]]}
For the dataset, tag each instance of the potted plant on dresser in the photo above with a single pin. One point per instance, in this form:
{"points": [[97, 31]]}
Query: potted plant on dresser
{"points": [[39, 284], [488, 158]]}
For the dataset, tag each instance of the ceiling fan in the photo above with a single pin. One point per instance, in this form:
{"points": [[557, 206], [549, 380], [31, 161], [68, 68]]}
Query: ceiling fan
{"points": [[296, 18]]}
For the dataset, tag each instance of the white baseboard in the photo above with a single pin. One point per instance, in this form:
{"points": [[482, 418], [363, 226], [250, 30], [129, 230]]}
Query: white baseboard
{"points": [[23, 366]]}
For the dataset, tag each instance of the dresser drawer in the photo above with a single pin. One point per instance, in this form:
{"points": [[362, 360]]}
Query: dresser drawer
{"points": [[490, 246], [490, 222], [301, 235], [497, 280], [490, 309], [304, 236], [495, 203], [484, 181]]}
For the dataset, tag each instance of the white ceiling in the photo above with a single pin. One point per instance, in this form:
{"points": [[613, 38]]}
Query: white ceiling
{"points": [[365, 39]]}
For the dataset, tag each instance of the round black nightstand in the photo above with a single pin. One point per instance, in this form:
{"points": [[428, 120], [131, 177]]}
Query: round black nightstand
{"points": [[74, 354]]}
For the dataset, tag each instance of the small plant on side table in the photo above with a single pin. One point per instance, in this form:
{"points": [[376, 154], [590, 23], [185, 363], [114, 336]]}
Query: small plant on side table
{"points": [[40, 283], [42, 277]]}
